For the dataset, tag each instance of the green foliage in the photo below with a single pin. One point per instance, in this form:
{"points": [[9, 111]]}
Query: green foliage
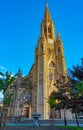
{"points": [[76, 86], [6, 80], [51, 101], [76, 74], [77, 89], [7, 99]]}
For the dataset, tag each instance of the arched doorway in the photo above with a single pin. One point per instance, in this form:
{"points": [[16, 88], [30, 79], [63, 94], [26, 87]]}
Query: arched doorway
{"points": [[26, 111]]}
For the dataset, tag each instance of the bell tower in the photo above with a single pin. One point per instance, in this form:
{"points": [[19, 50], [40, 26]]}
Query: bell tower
{"points": [[50, 63], [47, 27]]}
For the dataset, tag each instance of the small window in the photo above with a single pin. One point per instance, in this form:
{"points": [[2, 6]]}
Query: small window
{"points": [[45, 30], [51, 64], [49, 30], [46, 35], [59, 51]]}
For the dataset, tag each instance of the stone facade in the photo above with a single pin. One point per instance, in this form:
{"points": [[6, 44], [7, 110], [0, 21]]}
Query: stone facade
{"points": [[31, 91]]}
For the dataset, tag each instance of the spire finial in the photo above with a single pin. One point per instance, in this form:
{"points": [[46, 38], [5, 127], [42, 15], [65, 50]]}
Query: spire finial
{"points": [[46, 3]]}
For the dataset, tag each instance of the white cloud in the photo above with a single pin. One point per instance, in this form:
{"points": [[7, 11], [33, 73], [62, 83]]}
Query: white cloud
{"points": [[3, 69]]}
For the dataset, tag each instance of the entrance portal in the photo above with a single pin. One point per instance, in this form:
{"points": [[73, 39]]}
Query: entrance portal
{"points": [[26, 111]]}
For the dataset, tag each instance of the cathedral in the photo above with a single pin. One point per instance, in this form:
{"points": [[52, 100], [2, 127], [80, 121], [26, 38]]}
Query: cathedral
{"points": [[30, 93]]}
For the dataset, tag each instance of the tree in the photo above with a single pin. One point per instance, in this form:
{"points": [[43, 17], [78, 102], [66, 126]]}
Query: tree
{"points": [[76, 73], [76, 99], [58, 99], [76, 88], [68, 96], [6, 82]]}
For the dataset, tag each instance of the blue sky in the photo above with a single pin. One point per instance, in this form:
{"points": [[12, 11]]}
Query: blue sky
{"points": [[20, 22]]}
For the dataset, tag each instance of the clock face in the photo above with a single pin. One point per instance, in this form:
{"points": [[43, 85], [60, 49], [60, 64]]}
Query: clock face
{"points": [[50, 41]]}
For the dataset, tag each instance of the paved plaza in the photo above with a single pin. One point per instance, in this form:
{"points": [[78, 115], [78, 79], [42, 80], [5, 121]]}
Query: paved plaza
{"points": [[43, 124]]}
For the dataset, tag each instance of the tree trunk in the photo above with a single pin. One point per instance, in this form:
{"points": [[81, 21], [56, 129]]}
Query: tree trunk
{"points": [[1, 118], [76, 117], [1, 114], [65, 120], [4, 117]]}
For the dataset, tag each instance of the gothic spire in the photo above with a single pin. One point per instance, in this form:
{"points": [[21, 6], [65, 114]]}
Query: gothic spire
{"points": [[47, 26], [47, 13], [19, 72]]}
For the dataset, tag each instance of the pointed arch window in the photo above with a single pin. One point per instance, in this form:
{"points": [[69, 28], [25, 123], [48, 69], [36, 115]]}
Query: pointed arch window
{"points": [[60, 66], [51, 64], [45, 29], [49, 30], [59, 51]]}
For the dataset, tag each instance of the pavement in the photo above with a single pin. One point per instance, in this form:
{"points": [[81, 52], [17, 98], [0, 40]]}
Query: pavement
{"points": [[43, 124]]}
